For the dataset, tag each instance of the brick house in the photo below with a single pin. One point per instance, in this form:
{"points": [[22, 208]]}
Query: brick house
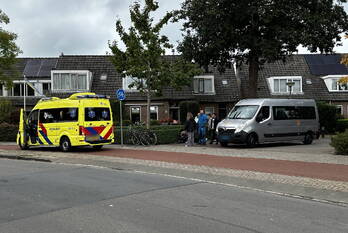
{"points": [[38, 72], [315, 76], [215, 91]]}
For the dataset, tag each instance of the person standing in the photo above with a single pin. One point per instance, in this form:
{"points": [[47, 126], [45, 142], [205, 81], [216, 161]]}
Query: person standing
{"points": [[212, 128], [202, 125], [190, 127]]}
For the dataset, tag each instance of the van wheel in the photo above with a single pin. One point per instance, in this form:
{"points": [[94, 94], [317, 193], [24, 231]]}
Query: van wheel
{"points": [[23, 147], [251, 140], [65, 144], [223, 144], [308, 139], [98, 147]]}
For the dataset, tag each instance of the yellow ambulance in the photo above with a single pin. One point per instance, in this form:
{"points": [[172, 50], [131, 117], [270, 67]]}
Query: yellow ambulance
{"points": [[83, 119]]}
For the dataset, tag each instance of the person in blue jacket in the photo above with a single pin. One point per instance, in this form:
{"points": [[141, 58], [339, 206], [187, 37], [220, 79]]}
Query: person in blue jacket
{"points": [[202, 127]]}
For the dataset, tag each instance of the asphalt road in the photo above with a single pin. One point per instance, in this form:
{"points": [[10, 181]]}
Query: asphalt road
{"points": [[38, 197]]}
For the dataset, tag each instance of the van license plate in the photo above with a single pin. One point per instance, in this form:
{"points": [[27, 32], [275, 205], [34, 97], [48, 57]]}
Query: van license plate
{"points": [[93, 138]]}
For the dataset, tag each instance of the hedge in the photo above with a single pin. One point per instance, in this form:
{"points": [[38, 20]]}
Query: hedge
{"points": [[327, 116], [340, 143], [341, 125], [8, 132], [166, 134]]}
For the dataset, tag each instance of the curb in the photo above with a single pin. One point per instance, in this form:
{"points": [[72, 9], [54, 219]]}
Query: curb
{"points": [[19, 157]]}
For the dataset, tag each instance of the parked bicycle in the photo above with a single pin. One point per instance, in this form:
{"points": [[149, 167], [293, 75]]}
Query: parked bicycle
{"points": [[142, 136]]}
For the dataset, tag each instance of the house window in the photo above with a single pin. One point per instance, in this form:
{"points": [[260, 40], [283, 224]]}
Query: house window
{"points": [[46, 87], [154, 112], [203, 85], [18, 90], [135, 114], [128, 81], [339, 109], [70, 80], [279, 85], [209, 110], [1, 90], [333, 85]]}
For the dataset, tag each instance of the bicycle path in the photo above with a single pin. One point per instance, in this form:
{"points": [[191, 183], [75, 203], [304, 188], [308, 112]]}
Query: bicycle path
{"points": [[324, 171]]}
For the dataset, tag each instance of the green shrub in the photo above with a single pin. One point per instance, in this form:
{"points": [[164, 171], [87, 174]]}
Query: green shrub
{"points": [[5, 110], [115, 107], [155, 122], [340, 143], [341, 125], [8, 132], [188, 106], [166, 134], [327, 116]]}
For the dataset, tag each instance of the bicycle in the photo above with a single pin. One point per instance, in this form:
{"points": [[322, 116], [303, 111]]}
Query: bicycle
{"points": [[141, 136]]}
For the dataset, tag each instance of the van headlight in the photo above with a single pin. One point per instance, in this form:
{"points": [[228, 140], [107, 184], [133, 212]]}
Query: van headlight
{"points": [[240, 128]]}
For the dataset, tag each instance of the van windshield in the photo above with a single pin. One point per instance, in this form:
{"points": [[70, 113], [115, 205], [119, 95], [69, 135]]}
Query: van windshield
{"points": [[97, 114], [243, 112]]}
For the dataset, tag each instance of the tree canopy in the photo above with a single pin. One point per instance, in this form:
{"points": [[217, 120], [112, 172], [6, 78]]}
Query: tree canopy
{"points": [[143, 57], [257, 31], [8, 49]]}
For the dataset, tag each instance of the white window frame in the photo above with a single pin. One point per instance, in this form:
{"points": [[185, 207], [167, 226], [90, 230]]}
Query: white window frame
{"points": [[82, 72], [340, 106], [130, 111], [205, 77], [125, 86], [156, 107], [328, 82], [287, 78], [206, 112]]}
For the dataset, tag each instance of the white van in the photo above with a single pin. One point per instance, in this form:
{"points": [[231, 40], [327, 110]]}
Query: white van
{"points": [[254, 121]]}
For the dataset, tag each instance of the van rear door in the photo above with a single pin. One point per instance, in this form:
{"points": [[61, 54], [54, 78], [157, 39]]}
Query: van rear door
{"points": [[97, 124]]}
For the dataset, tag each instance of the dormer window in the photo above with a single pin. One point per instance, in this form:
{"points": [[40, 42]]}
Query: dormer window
{"points": [[280, 85], [70, 80], [333, 85], [203, 84]]}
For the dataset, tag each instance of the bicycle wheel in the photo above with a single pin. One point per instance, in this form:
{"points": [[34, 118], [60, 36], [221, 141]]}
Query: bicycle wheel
{"points": [[152, 137], [134, 140]]}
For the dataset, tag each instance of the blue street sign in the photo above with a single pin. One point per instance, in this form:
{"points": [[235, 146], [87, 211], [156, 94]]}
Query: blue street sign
{"points": [[120, 94]]}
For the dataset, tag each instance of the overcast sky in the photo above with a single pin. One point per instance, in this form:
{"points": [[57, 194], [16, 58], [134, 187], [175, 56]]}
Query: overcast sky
{"points": [[46, 28]]}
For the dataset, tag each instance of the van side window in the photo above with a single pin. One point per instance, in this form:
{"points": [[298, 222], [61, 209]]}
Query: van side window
{"points": [[58, 115], [264, 113], [293, 113], [67, 114], [48, 116], [97, 114]]}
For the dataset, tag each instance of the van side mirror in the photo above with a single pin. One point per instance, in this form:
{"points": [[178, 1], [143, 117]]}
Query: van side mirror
{"points": [[259, 118]]}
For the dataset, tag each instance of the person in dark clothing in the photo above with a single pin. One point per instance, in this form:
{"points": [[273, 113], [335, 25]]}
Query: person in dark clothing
{"points": [[213, 122], [190, 127]]}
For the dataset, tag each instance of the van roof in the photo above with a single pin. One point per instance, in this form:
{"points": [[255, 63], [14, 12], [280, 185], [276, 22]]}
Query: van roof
{"points": [[261, 101]]}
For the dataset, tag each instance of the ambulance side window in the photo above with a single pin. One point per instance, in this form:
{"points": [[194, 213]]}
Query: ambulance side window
{"points": [[67, 114], [48, 116]]}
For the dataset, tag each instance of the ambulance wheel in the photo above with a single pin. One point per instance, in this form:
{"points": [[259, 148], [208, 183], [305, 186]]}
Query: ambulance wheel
{"points": [[98, 147], [65, 144], [23, 147]]}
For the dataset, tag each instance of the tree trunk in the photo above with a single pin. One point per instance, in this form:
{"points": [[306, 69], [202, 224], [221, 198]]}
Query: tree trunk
{"points": [[253, 76], [148, 96]]}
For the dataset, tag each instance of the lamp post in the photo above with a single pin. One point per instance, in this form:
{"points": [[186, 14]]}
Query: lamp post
{"points": [[290, 84]]}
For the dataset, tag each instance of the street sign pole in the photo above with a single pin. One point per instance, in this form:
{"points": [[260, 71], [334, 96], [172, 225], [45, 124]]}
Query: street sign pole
{"points": [[120, 94], [121, 122]]}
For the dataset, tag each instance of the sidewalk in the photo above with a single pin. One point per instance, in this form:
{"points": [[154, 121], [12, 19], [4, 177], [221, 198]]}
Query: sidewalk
{"points": [[264, 164]]}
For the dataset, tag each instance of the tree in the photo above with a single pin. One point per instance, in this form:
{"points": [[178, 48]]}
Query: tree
{"points": [[257, 31], [8, 50], [143, 59]]}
